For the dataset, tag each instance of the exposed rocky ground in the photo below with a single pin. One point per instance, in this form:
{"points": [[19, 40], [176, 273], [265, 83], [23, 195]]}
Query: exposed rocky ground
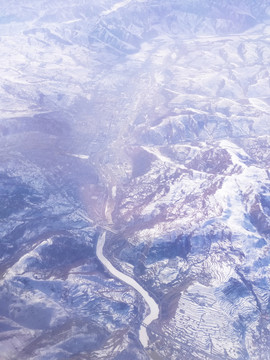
{"points": [[149, 118]]}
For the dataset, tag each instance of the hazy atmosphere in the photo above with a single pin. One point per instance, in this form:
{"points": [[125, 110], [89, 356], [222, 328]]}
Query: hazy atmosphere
{"points": [[135, 180]]}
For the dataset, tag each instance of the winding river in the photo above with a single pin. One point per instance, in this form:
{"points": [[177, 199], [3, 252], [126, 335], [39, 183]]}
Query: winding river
{"points": [[153, 306]]}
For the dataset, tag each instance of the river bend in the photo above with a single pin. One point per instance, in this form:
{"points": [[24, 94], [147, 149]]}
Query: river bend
{"points": [[153, 306]]}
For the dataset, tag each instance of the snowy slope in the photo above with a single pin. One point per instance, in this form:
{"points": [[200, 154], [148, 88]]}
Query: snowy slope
{"points": [[149, 119]]}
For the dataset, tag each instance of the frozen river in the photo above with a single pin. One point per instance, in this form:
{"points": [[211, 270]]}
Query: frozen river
{"points": [[153, 306]]}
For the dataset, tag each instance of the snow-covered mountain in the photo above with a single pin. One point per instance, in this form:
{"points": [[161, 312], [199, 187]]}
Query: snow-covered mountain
{"points": [[150, 120]]}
